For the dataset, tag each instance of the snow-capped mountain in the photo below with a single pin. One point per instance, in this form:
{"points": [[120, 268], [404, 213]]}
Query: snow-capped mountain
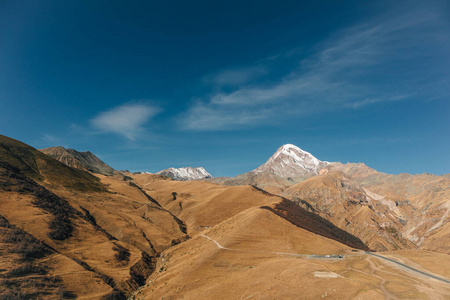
{"points": [[185, 174], [291, 161]]}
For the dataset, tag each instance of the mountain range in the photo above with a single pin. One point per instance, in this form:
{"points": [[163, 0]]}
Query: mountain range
{"points": [[76, 228], [349, 195]]}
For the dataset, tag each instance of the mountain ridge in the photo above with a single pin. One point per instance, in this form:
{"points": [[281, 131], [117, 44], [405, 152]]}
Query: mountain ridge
{"points": [[86, 160]]}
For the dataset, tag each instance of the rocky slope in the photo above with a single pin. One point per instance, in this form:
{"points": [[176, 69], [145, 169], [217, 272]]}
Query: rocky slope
{"points": [[423, 201], [86, 161], [344, 202], [185, 174]]}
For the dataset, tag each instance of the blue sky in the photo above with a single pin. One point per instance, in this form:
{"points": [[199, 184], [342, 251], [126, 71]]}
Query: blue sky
{"points": [[148, 85]]}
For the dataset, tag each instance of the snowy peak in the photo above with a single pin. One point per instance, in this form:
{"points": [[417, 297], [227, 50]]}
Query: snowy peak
{"points": [[297, 154], [291, 161], [184, 174]]}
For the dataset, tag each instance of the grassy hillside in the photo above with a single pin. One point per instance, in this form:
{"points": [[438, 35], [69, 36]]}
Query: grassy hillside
{"points": [[38, 166], [68, 234]]}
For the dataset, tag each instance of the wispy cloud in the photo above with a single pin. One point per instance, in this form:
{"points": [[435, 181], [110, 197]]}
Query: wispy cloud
{"points": [[126, 120], [48, 138], [233, 77], [206, 117], [367, 64], [368, 101]]}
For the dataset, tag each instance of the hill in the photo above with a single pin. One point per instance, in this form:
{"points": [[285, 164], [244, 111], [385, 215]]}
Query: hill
{"points": [[73, 233], [203, 205]]}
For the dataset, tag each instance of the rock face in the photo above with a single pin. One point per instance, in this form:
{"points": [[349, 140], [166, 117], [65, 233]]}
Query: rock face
{"points": [[420, 201], [291, 161], [184, 174], [86, 161]]}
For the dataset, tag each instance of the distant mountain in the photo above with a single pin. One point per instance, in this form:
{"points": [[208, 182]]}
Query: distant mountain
{"points": [[287, 166], [291, 161], [184, 174], [86, 161]]}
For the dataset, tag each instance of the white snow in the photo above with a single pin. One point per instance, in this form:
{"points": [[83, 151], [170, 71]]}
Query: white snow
{"points": [[291, 161], [186, 173]]}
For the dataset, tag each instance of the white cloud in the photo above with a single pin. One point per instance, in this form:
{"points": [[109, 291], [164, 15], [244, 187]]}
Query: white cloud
{"points": [[367, 64], [126, 120]]}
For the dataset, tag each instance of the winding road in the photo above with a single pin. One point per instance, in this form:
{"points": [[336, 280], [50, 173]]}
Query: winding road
{"points": [[409, 267], [321, 256]]}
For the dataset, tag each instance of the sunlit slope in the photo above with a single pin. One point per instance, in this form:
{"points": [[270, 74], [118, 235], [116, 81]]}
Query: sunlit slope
{"points": [[38, 166], [258, 254], [103, 236], [203, 205]]}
